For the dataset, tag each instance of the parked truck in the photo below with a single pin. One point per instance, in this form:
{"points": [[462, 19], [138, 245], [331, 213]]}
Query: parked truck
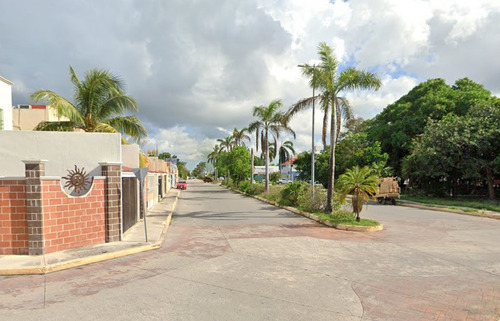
{"points": [[388, 190]]}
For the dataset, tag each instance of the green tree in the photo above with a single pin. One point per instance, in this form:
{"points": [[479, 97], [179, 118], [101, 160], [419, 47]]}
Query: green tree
{"points": [[271, 122], [399, 123], [331, 84], [361, 184], [286, 152], [239, 164], [354, 149], [226, 144], [212, 158], [274, 177], [99, 105], [457, 151], [303, 165], [183, 171], [239, 136], [165, 156], [199, 170]]}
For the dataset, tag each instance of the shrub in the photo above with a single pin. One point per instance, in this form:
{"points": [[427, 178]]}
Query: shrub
{"points": [[255, 189], [274, 194], [244, 186], [316, 204], [274, 177], [291, 193]]}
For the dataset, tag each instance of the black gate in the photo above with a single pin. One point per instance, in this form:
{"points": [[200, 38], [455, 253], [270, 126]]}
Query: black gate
{"points": [[129, 202]]}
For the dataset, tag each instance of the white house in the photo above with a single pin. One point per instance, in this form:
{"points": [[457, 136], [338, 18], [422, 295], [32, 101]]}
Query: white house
{"points": [[288, 171], [5, 104]]}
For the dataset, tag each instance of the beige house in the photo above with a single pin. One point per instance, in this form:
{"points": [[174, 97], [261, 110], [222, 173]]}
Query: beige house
{"points": [[26, 117], [5, 104]]}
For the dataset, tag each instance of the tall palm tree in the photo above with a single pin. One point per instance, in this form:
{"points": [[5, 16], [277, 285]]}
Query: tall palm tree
{"points": [[361, 183], [286, 152], [212, 158], [239, 136], [272, 151], [99, 102], [226, 144], [270, 123], [331, 84]]}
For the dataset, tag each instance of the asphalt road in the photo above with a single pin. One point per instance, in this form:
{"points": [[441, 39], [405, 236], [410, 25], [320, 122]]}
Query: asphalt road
{"points": [[230, 257]]}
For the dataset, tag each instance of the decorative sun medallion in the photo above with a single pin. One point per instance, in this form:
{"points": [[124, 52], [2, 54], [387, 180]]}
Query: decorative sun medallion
{"points": [[77, 179]]}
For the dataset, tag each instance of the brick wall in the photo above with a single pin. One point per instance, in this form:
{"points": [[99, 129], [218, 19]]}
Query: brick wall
{"points": [[71, 222], [13, 222]]}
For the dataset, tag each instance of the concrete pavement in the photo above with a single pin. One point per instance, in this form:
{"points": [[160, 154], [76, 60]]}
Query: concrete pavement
{"points": [[230, 257], [134, 241]]}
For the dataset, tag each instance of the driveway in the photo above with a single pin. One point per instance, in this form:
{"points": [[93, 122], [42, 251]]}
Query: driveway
{"points": [[230, 257]]}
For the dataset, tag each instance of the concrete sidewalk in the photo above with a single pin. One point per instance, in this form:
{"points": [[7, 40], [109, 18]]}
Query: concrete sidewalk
{"points": [[134, 241]]}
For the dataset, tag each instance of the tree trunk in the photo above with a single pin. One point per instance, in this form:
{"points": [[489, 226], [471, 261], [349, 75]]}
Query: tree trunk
{"points": [[491, 188], [215, 170], [251, 170], [267, 162], [331, 167]]}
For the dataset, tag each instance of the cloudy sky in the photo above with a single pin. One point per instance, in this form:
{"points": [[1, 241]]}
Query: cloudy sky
{"points": [[196, 68]]}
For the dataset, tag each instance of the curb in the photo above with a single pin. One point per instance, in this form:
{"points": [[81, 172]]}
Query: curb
{"points": [[38, 270], [352, 228], [486, 214]]}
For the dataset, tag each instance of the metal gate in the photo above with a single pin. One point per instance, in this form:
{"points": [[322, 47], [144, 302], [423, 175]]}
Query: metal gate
{"points": [[129, 202]]}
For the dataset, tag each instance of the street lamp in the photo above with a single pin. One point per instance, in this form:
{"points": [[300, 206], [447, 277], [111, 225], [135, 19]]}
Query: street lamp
{"points": [[312, 149]]}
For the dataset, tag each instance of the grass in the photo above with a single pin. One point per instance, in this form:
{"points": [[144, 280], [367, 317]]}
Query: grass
{"points": [[470, 205], [346, 218], [338, 217]]}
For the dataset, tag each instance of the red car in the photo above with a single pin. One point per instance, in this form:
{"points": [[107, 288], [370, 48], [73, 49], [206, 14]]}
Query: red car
{"points": [[207, 180], [182, 185]]}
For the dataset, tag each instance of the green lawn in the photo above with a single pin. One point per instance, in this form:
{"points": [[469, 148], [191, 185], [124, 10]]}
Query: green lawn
{"points": [[346, 218], [456, 203]]}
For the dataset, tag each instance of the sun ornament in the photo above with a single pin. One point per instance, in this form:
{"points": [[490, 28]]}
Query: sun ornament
{"points": [[77, 179]]}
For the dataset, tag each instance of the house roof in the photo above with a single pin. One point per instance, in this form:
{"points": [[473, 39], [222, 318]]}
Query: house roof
{"points": [[8, 82], [290, 161]]}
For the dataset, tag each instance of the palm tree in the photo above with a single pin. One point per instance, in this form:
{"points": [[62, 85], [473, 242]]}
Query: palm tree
{"points": [[99, 102], [331, 84], [226, 144], [239, 136], [270, 124], [286, 152], [361, 183], [212, 158], [272, 151]]}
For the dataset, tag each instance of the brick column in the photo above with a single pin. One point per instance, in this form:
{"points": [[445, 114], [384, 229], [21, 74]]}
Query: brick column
{"points": [[113, 191], [34, 205]]}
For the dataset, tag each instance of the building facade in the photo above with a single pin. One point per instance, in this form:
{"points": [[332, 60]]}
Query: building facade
{"points": [[5, 104]]}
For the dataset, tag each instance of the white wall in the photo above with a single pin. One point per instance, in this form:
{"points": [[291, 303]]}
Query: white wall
{"points": [[61, 150], [130, 155], [6, 103]]}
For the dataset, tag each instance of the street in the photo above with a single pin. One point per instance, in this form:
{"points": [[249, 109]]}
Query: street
{"points": [[231, 257]]}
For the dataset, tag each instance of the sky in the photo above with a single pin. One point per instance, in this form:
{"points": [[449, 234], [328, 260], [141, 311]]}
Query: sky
{"points": [[198, 67]]}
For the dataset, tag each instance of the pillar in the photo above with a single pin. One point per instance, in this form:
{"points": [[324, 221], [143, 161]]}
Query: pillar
{"points": [[113, 190], [34, 170]]}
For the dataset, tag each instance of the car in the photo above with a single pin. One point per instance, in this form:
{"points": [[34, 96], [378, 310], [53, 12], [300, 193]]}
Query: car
{"points": [[316, 183], [207, 180], [182, 185], [283, 181]]}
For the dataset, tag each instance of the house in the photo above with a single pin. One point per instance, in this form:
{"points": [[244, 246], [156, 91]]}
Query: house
{"points": [[5, 104], [288, 171], [27, 117], [260, 172], [54, 199]]}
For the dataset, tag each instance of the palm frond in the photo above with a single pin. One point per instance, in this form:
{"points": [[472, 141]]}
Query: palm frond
{"points": [[55, 126], [63, 107], [128, 125]]}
